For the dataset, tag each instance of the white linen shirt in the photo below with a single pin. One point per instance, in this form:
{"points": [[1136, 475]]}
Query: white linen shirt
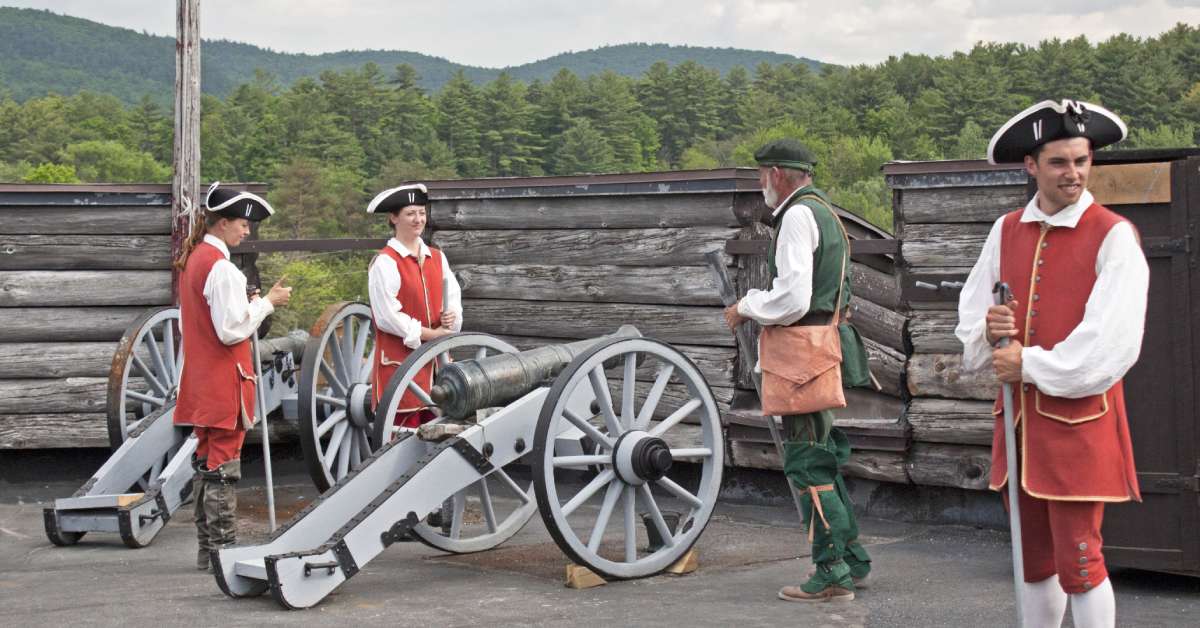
{"points": [[790, 295], [234, 317], [1105, 344], [383, 284]]}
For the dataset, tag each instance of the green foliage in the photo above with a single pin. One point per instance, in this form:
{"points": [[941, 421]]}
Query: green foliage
{"points": [[50, 173], [107, 161], [1164, 136], [317, 281]]}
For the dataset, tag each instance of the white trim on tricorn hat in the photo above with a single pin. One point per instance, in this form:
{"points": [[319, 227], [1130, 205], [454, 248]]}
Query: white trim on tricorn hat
{"points": [[398, 198], [256, 208], [1048, 121]]}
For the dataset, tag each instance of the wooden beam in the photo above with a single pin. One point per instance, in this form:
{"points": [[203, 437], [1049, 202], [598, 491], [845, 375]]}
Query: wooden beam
{"points": [[185, 156], [878, 323], [586, 212], [953, 421], [939, 246], [933, 332], [671, 323], [942, 375], [85, 220], [857, 247], [1131, 184], [959, 204], [62, 324], [683, 246], [888, 367], [960, 466], [53, 396], [84, 288], [43, 360], [671, 285], [84, 252], [46, 431]]}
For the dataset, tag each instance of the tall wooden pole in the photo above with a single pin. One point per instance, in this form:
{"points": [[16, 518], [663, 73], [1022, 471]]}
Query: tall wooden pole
{"points": [[186, 155]]}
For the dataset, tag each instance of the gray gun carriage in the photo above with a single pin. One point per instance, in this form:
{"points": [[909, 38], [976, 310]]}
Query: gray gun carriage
{"points": [[589, 434]]}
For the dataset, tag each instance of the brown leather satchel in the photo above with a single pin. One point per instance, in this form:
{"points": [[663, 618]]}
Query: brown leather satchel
{"points": [[801, 364]]}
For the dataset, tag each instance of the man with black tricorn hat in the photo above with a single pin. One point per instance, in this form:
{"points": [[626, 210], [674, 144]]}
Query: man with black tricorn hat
{"points": [[807, 353], [1079, 282], [217, 387]]}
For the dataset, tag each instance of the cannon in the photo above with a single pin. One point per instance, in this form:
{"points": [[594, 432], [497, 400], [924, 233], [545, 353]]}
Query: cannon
{"points": [[148, 476], [592, 435]]}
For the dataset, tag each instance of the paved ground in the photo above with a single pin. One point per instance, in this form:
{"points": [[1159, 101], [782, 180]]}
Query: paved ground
{"points": [[924, 576]]}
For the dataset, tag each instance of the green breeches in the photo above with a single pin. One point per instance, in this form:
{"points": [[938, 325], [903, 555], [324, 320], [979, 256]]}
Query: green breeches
{"points": [[812, 456]]}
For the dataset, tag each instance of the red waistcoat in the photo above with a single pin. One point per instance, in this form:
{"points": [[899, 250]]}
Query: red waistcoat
{"points": [[420, 297], [217, 384], [1071, 449]]}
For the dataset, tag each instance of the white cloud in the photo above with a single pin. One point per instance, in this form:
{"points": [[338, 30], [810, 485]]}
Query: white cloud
{"points": [[497, 33]]}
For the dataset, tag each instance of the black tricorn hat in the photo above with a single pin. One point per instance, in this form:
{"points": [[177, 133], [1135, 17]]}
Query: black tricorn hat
{"points": [[1048, 121], [398, 198], [232, 203]]}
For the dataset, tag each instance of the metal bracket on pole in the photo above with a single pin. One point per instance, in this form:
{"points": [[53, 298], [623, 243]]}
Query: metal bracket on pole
{"points": [[261, 407], [744, 341], [1003, 296]]}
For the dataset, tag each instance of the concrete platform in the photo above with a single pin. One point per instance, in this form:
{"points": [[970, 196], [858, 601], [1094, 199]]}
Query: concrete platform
{"points": [[924, 576]]}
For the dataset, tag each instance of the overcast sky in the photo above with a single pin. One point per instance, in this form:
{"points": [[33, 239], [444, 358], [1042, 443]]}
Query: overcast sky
{"points": [[497, 33]]}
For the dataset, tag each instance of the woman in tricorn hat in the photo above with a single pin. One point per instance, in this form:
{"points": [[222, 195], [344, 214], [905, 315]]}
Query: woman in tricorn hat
{"points": [[216, 389]]}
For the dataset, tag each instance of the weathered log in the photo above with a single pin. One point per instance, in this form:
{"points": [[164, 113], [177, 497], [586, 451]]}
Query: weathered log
{"points": [[44, 360], [674, 396], [682, 246], [671, 323], [887, 365], [875, 286], [933, 332], [934, 245], [185, 149], [672, 285], [74, 324], [586, 212], [946, 282], [46, 431], [951, 421], [883, 466], [74, 252], [962, 466], [878, 323], [753, 274], [861, 405], [715, 363], [53, 396], [950, 205], [875, 434], [84, 287], [85, 220], [942, 375]]}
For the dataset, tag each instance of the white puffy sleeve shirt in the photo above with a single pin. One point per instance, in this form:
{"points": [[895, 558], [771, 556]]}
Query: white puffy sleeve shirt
{"points": [[790, 295], [234, 317], [1105, 344], [383, 284]]}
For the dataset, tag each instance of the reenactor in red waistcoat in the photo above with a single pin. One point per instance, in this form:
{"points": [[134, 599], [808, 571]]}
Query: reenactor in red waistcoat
{"points": [[1079, 281]]}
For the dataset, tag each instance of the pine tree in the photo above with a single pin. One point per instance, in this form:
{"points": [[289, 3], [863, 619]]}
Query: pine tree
{"points": [[507, 142], [459, 124]]}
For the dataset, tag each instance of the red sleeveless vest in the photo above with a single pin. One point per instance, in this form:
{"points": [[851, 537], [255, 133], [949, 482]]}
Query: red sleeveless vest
{"points": [[216, 387], [420, 297], [1071, 449]]}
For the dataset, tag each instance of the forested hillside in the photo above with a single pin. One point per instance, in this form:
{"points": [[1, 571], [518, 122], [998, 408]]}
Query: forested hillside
{"points": [[42, 53]]}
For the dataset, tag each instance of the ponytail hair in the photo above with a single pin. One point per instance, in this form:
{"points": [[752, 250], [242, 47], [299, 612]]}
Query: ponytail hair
{"points": [[197, 227]]}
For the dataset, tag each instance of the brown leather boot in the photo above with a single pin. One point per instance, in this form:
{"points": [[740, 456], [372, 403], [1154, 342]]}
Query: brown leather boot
{"points": [[829, 583]]}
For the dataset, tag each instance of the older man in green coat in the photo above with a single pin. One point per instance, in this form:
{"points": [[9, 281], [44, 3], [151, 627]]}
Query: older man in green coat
{"points": [[806, 260]]}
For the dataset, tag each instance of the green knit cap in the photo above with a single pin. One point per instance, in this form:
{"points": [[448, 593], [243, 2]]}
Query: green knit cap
{"points": [[786, 153]]}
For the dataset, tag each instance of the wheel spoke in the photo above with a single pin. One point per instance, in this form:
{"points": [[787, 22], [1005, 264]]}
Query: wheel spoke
{"points": [[364, 375], [343, 455], [148, 375], [629, 388], [155, 469], [630, 526], [146, 398], [169, 344], [443, 359], [586, 492], [481, 353], [680, 492], [588, 428], [580, 461], [604, 400], [347, 340], [606, 509], [512, 485], [485, 502], [664, 532], [420, 393], [675, 417], [697, 452], [456, 520], [156, 358], [360, 343], [332, 379], [333, 401], [653, 397], [364, 445], [335, 442], [355, 448], [339, 361], [328, 423]]}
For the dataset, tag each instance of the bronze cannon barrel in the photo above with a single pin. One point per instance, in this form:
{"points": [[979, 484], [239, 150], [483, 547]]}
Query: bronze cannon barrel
{"points": [[464, 387]]}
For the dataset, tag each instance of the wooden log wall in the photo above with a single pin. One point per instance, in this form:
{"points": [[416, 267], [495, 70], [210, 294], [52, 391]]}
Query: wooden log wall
{"points": [[78, 263]]}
